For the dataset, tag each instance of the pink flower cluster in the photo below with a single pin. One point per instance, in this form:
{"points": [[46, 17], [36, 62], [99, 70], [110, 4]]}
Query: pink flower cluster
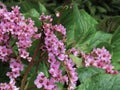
{"points": [[16, 67], [15, 31], [74, 52], [4, 53], [99, 57], [14, 25], [42, 81], [56, 57], [8, 86]]}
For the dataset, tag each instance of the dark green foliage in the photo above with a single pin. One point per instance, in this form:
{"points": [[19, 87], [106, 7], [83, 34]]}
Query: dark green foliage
{"points": [[4, 68]]}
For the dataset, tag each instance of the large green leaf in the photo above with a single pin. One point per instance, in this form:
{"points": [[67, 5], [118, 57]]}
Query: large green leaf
{"points": [[28, 5], [101, 82], [100, 37], [33, 10], [42, 8], [80, 26], [116, 45], [34, 15], [85, 73], [116, 65]]}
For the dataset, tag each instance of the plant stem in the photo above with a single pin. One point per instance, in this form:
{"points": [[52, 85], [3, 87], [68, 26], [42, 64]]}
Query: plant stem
{"points": [[38, 62], [23, 83]]}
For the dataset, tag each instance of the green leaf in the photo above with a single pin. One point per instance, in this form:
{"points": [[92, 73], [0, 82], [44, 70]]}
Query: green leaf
{"points": [[33, 12], [101, 82], [14, 46], [80, 26], [15, 50], [115, 42], [85, 73], [100, 37], [116, 65], [33, 17], [28, 5], [25, 6], [12, 41], [76, 60], [32, 77], [60, 86], [43, 68], [42, 8], [101, 9]]}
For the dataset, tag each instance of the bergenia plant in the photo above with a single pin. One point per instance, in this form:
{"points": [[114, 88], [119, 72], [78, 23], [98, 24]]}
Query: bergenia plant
{"points": [[43, 58]]}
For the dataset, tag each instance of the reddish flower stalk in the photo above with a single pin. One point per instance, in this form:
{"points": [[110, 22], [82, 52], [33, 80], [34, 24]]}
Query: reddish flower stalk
{"points": [[23, 83]]}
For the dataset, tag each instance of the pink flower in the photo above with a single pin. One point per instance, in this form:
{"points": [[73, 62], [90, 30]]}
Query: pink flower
{"points": [[48, 85], [45, 18], [3, 51], [15, 66], [60, 28], [100, 58], [61, 57], [39, 83], [37, 36], [40, 80], [13, 74], [23, 53], [8, 86]]}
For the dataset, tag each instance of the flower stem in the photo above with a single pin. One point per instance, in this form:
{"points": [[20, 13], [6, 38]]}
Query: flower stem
{"points": [[23, 83]]}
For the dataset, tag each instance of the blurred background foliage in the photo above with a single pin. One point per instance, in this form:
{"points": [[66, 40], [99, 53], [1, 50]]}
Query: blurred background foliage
{"points": [[97, 8]]}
